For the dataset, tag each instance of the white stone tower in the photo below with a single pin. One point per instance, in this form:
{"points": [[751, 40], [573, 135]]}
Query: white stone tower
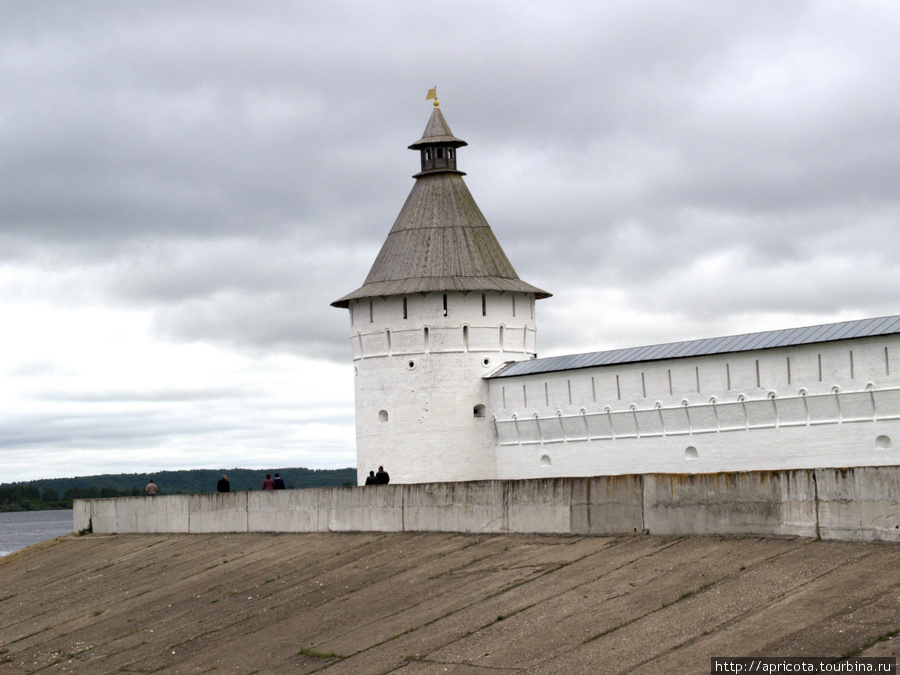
{"points": [[441, 307]]}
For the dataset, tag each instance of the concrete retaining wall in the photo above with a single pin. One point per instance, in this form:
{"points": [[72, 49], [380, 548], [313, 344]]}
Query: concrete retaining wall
{"points": [[860, 504]]}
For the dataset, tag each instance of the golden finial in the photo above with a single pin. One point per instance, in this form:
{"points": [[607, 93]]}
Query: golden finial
{"points": [[432, 94]]}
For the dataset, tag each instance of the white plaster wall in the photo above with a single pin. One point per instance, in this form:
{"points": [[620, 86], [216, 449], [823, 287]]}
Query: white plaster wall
{"points": [[822, 405], [419, 379]]}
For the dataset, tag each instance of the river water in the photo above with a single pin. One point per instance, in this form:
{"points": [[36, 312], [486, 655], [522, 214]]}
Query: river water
{"points": [[26, 528]]}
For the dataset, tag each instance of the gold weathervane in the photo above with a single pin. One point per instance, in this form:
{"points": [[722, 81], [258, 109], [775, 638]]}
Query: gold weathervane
{"points": [[432, 94]]}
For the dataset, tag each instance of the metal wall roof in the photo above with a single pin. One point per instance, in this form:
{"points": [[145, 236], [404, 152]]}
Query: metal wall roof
{"points": [[886, 325]]}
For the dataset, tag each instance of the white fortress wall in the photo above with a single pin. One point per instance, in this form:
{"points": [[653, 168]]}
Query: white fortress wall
{"points": [[419, 365], [827, 404]]}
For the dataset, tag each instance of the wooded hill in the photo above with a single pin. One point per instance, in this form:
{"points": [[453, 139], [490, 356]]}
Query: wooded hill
{"points": [[58, 493]]}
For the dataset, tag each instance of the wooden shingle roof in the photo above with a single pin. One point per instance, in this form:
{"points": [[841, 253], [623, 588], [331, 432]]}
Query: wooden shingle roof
{"points": [[437, 132], [440, 241]]}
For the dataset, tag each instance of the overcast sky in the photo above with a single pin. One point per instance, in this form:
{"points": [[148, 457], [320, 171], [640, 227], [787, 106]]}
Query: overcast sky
{"points": [[186, 186]]}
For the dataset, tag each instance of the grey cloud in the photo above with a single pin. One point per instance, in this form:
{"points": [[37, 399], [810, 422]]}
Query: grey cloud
{"points": [[233, 168]]}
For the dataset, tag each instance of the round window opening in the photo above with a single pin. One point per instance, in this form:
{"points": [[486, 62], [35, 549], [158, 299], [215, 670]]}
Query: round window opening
{"points": [[690, 452], [883, 442], [410, 365], [382, 416], [486, 362], [545, 460]]}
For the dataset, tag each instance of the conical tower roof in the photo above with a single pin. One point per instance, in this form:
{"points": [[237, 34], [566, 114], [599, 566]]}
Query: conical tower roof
{"points": [[437, 133], [440, 241]]}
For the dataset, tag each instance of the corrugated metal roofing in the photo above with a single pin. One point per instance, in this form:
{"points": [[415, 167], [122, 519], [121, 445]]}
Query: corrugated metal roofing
{"points": [[829, 332]]}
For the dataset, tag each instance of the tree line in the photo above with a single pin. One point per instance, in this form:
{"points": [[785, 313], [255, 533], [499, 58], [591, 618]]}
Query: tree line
{"points": [[58, 493]]}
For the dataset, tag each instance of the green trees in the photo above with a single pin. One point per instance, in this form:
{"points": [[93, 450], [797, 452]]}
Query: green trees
{"points": [[45, 494]]}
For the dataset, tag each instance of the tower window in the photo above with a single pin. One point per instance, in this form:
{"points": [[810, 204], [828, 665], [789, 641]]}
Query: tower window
{"points": [[478, 410], [449, 153], [439, 153], [371, 312], [483, 305], [428, 154], [405, 312]]}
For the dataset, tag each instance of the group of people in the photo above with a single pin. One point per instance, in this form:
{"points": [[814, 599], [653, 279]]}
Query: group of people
{"points": [[268, 483], [379, 478], [273, 483]]}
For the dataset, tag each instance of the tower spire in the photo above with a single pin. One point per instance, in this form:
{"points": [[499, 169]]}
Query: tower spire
{"points": [[440, 241]]}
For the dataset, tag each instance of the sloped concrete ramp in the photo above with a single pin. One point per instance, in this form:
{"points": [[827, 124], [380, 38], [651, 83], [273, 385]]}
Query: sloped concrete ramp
{"points": [[422, 603]]}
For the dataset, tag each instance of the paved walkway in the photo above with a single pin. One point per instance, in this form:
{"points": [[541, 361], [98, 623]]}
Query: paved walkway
{"points": [[439, 603]]}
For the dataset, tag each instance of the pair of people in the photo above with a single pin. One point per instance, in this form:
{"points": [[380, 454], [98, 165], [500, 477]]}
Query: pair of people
{"points": [[270, 483], [380, 478]]}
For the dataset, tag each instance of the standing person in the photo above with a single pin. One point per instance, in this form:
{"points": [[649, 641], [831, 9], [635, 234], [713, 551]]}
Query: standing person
{"points": [[279, 483], [382, 477], [268, 483], [151, 489], [223, 485], [370, 479]]}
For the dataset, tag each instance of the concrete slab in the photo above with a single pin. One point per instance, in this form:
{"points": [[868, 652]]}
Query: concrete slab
{"points": [[425, 602]]}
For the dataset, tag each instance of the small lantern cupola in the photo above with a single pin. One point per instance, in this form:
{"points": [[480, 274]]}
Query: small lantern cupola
{"points": [[438, 145]]}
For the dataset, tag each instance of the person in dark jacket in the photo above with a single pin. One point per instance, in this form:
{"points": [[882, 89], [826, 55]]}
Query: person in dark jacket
{"points": [[370, 479], [223, 485], [382, 477], [279, 482]]}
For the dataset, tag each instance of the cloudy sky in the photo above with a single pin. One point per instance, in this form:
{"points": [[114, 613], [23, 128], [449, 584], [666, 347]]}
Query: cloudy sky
{"points": [[186, 186]]}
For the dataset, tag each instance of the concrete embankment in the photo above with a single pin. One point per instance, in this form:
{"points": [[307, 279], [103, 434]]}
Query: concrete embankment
{"points": [[861, 503], [417, 603]]}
